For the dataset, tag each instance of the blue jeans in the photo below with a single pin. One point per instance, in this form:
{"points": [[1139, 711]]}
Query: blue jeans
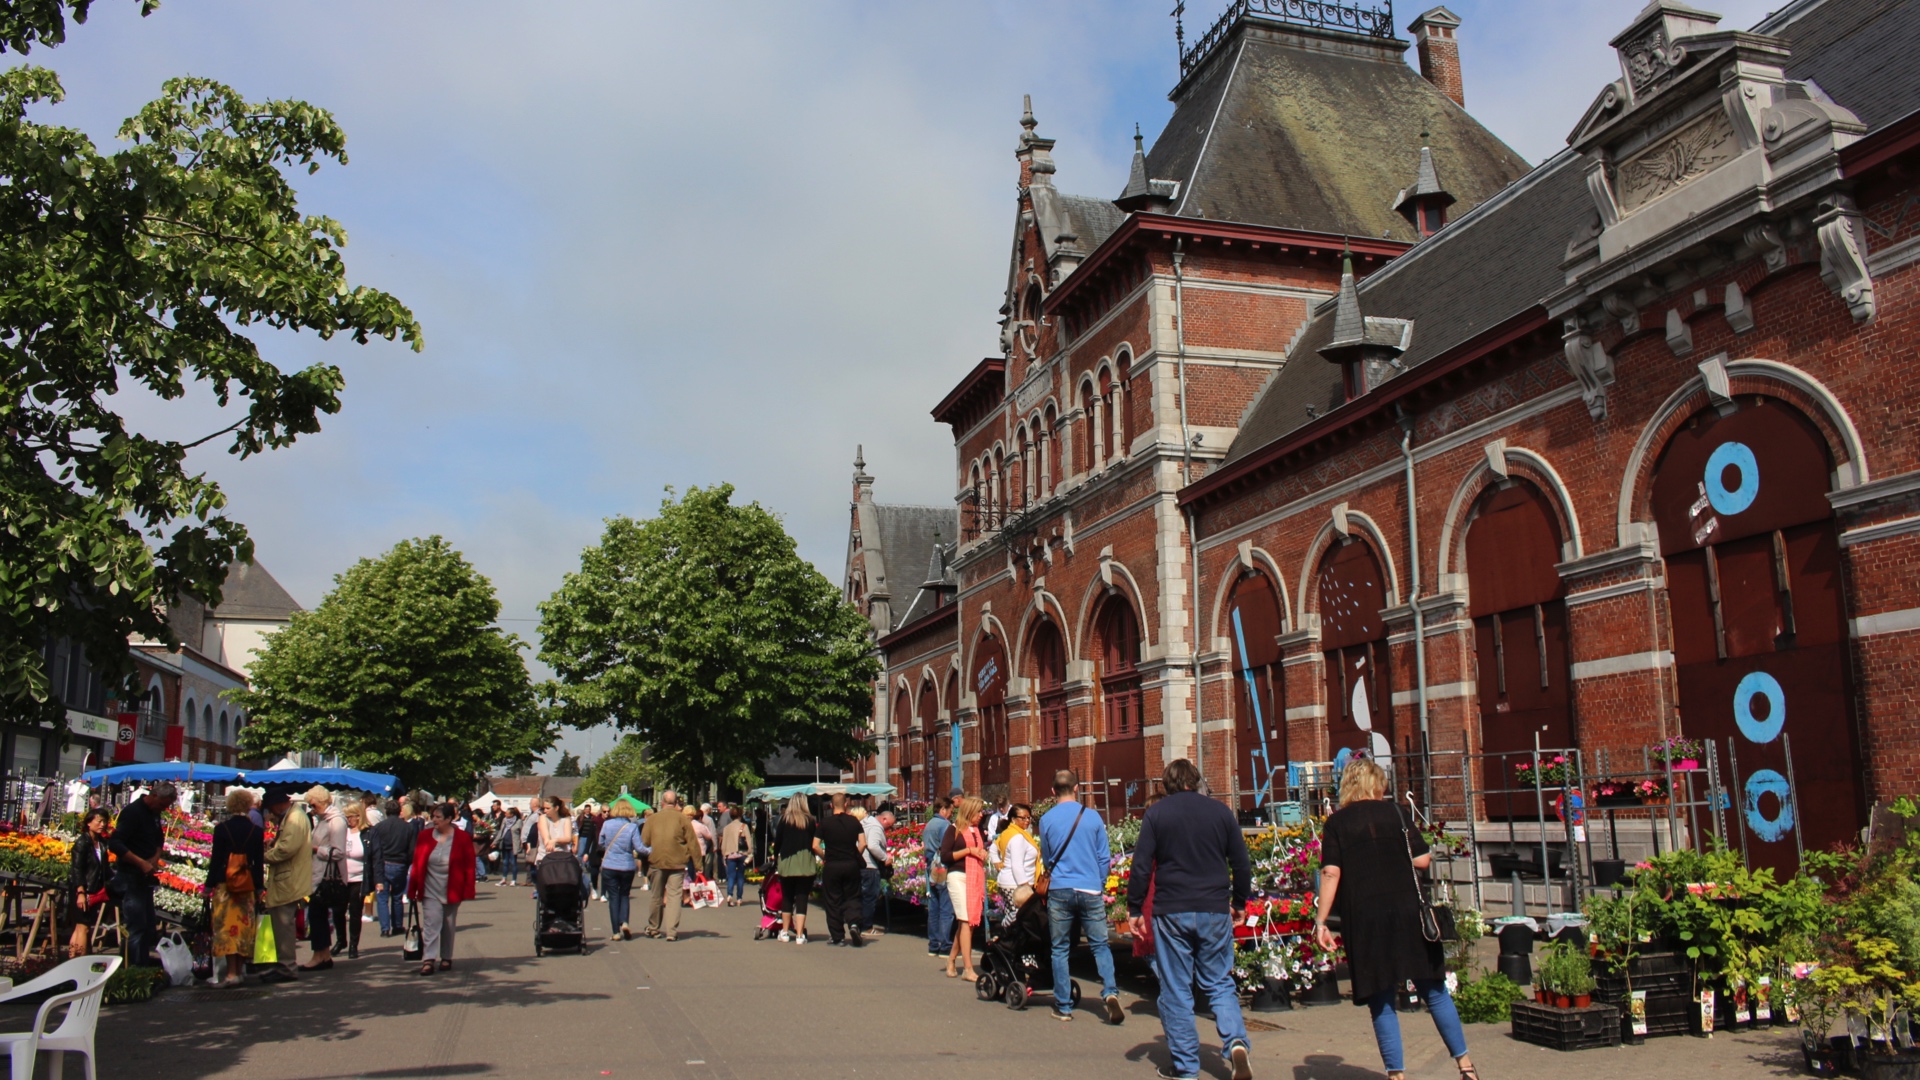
{"points": [[736, 878], [617, 886], [1386, 1021], [869, 896], [1195, 949], [509, 869], [136, 912], [939, 919], [1063, 907], [390, 907]]}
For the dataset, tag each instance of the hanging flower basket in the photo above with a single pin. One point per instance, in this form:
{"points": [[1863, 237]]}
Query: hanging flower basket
{"points": [[1553, 772]]}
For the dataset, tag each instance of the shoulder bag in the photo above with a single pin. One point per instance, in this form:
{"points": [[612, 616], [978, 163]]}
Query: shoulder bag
{"points": [[1436, 920], [412, 947], [1042, 879], [332, 890]]}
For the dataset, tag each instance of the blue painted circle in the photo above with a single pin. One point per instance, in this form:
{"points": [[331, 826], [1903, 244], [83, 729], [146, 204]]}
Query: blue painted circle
{"points": [[1759, 684], [1768, 782], [1739, 456]]}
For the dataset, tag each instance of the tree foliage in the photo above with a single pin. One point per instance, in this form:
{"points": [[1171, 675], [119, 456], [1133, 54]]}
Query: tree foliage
{"points": [[401, 670], [569, 765], [150, 266], [625, 767], [705, 633]]}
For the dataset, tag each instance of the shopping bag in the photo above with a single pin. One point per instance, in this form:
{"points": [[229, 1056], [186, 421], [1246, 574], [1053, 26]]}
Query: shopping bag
{"points": [[412, 947], [264, 950], [176, 959]]}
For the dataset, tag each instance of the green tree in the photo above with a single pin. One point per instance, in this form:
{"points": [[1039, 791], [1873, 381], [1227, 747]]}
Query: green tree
{"points": [[401, 670], [705, 633], [627, 767], [569, 765], [151, 266]]}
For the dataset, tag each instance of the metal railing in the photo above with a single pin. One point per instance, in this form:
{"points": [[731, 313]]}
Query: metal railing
{"points": [[1370, 21]]}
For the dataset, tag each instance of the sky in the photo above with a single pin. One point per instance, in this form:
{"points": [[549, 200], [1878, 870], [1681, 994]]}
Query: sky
{"points": [[669, 245]]}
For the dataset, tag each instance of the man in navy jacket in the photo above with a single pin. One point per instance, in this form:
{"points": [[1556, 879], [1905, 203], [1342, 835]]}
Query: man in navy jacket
{"points": [[1193, 854]]}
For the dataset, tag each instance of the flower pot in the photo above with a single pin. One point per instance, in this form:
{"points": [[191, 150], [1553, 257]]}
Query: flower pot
{"points": [[1687, 764], [1274, 995], [1608, 871], [1904, 1065], [1324, 991], [1562, 1001], [1653, 800], [1581, 1001], [1542, 996]]}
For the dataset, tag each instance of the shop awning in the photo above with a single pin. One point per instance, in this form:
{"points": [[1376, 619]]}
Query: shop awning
{"points": [[162, 770], [774, 794]]}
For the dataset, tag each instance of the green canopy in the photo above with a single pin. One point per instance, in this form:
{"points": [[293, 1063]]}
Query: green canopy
{"points": [[638, 806], [775, 794]]}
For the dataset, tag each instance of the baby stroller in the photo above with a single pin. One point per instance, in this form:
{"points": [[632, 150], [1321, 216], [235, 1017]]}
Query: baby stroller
{"points": [[1017, 962], [770, 896], [558, 920]]}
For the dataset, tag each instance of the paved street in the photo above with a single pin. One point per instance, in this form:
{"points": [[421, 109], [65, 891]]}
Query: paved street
{"points": [[719, 1005]]}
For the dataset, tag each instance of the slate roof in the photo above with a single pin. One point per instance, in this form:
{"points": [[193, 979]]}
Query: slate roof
{"points": [[907, 536], [1305, 129], [1094, 220], [251, 593], [1505, 257], [1861, 52]]}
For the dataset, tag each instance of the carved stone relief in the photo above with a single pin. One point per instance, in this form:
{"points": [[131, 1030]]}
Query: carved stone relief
{"points": [[1648, 59], [1587, 359], [1687, 154], [1843, 264]]}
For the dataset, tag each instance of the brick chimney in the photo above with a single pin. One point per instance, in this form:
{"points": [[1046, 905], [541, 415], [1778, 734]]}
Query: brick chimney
{"points": [[1437, 34]]}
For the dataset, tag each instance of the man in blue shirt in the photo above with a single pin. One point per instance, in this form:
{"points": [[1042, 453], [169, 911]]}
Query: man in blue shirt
{"points": [[939, 904], [1073, 847], [1192, 853]]}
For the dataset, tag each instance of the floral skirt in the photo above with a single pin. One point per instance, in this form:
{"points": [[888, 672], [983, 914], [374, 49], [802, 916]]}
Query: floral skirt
{"points": [[233, 924]]}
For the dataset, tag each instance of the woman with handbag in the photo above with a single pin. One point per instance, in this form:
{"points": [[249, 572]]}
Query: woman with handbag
{"points": [[441, 881], [797, 843], [1370, 856], [619, 854], [327, 905], [235, 873], [736, 841], [87, 878]]}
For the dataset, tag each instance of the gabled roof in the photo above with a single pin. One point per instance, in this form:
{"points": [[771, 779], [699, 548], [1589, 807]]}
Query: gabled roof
{"points": [[907, 537], [251, 593], [1094, 219], [1312, 129]]}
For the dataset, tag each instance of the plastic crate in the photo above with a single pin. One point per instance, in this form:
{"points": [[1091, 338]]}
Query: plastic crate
{"points": [[1566, 1029], [1669, 990]]}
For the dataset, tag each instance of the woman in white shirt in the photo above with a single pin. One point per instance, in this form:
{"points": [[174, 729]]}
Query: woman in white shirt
{"points": [[1017, 853], [556, 830]]}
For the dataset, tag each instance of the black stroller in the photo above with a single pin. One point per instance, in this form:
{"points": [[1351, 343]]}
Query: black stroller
{"points": [[1018, 962], [558, 918]]}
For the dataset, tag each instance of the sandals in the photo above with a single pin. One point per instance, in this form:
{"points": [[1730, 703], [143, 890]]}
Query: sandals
{"points": [[1468, 1074], [427, 968], [447, 965]]}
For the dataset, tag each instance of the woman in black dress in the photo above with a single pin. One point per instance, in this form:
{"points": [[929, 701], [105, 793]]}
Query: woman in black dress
{"points": [[87, 878], [1367, 862]]}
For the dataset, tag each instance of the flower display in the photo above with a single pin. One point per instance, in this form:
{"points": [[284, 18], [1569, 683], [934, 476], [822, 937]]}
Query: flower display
{"points": [[1553, 772], [1650, 789], [1676, 749], [40, 858]]}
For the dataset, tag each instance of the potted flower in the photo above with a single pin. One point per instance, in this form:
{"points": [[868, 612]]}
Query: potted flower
{"points": [[1650, 792], [1614, 793], [1681, 753], [1553, 772]]}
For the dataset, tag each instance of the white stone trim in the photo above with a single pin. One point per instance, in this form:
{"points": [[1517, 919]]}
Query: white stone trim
{"points": [[1887, 622], [1306, 712], [1617, 589], [1437, 692], [1888, 487], [1894, 256], [1884, 530], [1082, 740], [1657, 660]]}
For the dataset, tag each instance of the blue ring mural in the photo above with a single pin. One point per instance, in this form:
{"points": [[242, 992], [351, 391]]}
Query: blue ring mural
{"points": [[1768, 782], [1760, 684], [1739, 456]]}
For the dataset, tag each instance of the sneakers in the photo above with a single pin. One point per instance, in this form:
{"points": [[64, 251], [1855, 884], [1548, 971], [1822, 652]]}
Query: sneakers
{"points": [[1167, 1072], [1115, 1014], [1241, 1056], [799, 939], [786, 935], [1063, 1017]]}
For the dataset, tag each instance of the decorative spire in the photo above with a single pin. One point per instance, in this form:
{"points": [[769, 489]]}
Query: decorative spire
{"points": [[1142, 193], [1349, 326], [1364, 355], [860, 465], [1027, 122], [1425, 203]]}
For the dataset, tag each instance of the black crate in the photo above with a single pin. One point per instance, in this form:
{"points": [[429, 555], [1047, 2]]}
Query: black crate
{"points": [[1566, 1029]]}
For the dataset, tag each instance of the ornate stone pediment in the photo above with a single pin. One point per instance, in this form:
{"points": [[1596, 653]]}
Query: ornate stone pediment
{"points": [[1695, 150]]}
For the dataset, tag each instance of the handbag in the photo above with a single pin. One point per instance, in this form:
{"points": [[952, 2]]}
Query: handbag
{"points": [[1042, 879], [1436, 920], [412, 947], [265, 946], [332, 890]]}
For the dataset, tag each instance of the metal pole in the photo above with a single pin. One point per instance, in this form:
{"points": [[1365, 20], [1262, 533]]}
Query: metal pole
{"points": [[1540, 805], [1793, 793], [1733, 763]]}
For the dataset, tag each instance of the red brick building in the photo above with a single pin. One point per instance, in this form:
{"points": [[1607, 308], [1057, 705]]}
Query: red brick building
{"points": [[1618, 448]]}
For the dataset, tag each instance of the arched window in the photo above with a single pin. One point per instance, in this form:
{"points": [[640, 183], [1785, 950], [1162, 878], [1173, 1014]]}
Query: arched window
{"points": [[1122, 406], [1119, 635], [1104, 412], [1049, 674], [1260, 711], [1520, 636], [192, 719], [989, 682], [930, 735], [1359, 697], [1760, 637], [1050, 453], [907, 738]]}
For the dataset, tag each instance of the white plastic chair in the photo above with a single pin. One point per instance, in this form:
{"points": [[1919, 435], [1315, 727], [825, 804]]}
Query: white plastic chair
{"points": [[75, 1033]]}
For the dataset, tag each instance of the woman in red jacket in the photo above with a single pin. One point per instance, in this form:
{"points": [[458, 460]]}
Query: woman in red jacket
{"points": [[443, 868]]}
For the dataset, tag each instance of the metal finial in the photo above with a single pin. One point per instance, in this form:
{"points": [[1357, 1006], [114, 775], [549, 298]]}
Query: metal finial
{"points": [[1179, 27]]}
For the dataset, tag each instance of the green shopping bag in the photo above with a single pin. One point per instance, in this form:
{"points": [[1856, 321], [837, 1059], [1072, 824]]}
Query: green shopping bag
{"points": [[264, 949]]}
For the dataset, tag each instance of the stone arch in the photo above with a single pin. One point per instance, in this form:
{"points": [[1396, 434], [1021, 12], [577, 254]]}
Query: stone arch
{"points": [[1751, 376], [1368, 532], [1046, 605], [1247, 557], [1525, 464], [1097, 588]]}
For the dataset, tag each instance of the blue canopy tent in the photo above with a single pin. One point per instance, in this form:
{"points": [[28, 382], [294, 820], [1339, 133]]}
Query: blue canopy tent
{"points": [[352, 779], [162, 770], [774, 794]]}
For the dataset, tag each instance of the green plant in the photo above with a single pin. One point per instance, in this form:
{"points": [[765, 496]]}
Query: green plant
{"points": [[131, 984], [1470, 929], [1487, 999]]}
